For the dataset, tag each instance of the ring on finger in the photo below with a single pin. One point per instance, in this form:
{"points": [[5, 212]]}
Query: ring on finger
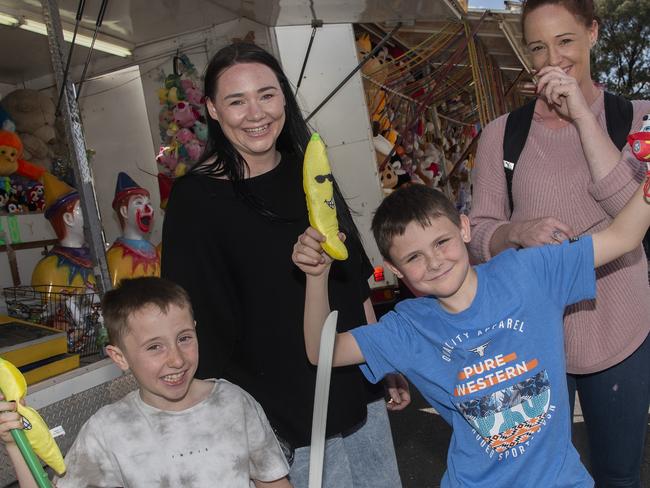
{"points": [[556, 235]]}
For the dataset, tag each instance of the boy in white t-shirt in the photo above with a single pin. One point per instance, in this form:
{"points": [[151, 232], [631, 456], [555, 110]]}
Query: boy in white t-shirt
{"points": [[175, 430]]}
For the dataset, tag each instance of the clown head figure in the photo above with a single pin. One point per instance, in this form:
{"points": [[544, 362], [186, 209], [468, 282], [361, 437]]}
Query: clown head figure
{"points": [[132, 255], [133, 208], [63, 211], [11, 149]]}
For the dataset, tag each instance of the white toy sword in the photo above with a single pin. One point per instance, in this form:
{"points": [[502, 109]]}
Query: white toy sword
{"points": [[321, 397]]}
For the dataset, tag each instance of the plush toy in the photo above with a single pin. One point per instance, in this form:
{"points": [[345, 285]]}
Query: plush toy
{"points": [[201, 131], [318, 185], [184, 136], [185, 115], [182, 125], [388, 178], [11, 161], [5, 121], [33, 113]]}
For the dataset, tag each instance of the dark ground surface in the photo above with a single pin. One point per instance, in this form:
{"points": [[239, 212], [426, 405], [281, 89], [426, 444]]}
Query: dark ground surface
{"points": [[421, 440]]}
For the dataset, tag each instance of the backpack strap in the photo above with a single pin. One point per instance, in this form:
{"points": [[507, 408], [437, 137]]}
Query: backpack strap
{"points": [[619, 114], [514, 140]]}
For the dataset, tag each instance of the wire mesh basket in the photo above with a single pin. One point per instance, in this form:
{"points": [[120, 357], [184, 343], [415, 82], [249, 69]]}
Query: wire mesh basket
{"points": [[75, 311]]}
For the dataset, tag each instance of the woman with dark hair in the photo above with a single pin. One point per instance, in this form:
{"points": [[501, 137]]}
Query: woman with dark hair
{"points": [[228, 236], [571, 179]]}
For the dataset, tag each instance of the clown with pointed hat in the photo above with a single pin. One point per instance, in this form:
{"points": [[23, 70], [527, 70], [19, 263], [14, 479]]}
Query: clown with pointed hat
{"points": [[132, 255], [68, 265]]}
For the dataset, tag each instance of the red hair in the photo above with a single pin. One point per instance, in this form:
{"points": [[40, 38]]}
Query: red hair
{"points": [[11, 139], [56, 220]]}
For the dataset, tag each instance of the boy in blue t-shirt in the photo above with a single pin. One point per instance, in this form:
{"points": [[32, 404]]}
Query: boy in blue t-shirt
{"points": [[484, 344]]}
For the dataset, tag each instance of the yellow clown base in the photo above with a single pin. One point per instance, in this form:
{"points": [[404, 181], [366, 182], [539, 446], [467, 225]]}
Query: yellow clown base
{"points": [[129, 259]]}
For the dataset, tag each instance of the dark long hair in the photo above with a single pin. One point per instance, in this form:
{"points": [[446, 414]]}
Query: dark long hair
{"points": [[221, 159]]}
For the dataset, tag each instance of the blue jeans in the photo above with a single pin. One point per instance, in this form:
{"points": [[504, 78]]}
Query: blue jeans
{"points": [[615, 408], [362, 459]]}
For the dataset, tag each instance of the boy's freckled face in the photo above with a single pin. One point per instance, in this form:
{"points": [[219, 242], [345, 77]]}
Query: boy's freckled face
{"points": [[433, 260], [162, 353]]}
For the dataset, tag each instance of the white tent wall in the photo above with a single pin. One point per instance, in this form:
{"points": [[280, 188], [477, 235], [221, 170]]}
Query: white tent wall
{"points": [[343, 122], [116, 127]]}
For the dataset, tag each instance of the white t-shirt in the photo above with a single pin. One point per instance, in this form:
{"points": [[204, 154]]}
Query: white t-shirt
{"points": [[225, 440]]}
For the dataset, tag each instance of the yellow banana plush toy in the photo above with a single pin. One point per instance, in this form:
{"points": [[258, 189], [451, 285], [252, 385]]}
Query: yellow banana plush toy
{"points": [[14, 388], [318, 184]]}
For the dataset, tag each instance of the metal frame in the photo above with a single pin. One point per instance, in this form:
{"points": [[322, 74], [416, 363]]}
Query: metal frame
{"points": [[93, 230]]}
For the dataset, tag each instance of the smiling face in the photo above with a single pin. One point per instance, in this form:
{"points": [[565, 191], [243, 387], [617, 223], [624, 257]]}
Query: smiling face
{"points": [[161, 350], [556, 37], [433, 261], [249, 107]]}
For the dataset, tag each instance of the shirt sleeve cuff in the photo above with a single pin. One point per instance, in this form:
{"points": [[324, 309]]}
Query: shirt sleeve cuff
{"points": [[615, 189]]}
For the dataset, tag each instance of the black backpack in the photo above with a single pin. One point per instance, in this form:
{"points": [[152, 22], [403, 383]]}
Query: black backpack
{"points": [[618, 114]]}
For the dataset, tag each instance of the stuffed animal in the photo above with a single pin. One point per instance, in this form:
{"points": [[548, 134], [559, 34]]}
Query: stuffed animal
{"points": [[5, 121], [185, 115], [11, 161], [33, 113]]}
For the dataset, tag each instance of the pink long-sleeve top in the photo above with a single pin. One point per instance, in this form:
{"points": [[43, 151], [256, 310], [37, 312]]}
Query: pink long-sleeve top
{"points": [[552, 179]]}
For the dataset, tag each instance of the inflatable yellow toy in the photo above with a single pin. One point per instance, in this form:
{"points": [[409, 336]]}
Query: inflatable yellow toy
{"points": [[318, 184], [14, 388]]}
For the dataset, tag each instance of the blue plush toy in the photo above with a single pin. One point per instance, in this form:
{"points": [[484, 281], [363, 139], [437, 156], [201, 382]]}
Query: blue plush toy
{"points": [[5, 121]]}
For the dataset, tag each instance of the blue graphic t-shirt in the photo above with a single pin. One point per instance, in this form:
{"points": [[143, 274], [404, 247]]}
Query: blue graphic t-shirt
{"points": [[495, 371]]}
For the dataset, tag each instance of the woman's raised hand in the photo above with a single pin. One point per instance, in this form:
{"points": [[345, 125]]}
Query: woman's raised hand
{"points": [[562, 92]]}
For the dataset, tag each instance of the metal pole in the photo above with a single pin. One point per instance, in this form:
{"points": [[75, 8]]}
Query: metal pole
{"points": [[359, 66], [93, 231]]}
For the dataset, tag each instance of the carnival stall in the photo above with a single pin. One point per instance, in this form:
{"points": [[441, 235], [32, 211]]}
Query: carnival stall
{"points": [[95, 133]]}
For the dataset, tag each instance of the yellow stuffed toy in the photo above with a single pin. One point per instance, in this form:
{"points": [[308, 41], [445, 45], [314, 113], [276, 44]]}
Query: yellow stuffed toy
{"points": [[14, 388], [318, 184]]}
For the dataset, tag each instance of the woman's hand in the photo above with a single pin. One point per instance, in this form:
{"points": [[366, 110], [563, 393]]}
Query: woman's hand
{"points": [[308, 253], [9, 419], [563, 94], [538, 232]]}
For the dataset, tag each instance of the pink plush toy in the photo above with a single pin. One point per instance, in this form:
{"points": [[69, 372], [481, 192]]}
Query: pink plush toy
{"points": [[168, 157], [192, 93], [184, 116], [184, 136], [194, 149]]}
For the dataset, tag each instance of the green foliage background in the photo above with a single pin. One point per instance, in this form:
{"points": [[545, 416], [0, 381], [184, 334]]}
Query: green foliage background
{"points": [[621, 58]]}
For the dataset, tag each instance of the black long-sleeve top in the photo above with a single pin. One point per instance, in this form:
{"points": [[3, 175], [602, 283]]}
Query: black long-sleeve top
{"points": [[248, 296]]}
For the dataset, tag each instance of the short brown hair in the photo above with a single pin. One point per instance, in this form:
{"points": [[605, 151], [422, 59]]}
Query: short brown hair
{"points": [[583, 10], [135, 294], [410, 203], [56, 219]]}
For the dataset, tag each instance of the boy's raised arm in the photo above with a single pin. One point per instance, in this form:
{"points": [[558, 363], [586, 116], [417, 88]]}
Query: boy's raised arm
{"points": [[625, 232], [309, 256]]}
